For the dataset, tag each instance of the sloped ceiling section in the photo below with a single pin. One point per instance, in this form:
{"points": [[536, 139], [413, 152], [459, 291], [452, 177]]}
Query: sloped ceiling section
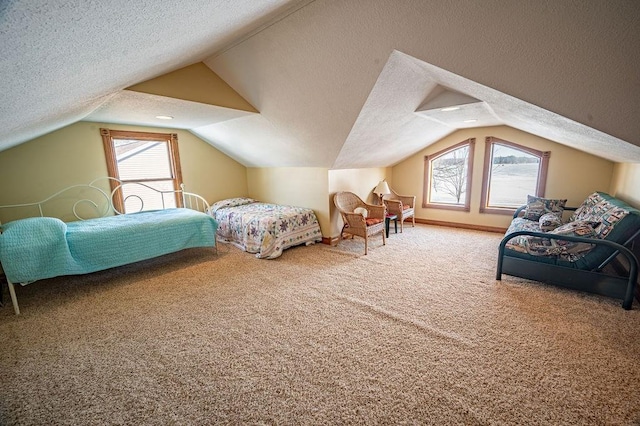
{"points": [[340, 82], [195, 83], [60, 60], [336, 84], [391, 113], [191, 97]]}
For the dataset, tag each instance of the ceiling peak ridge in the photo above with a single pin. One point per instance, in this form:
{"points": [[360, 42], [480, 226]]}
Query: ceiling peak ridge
{"points": [[279, 17]]}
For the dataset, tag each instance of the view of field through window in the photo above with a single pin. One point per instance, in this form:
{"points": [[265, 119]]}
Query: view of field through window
{"points": [[513, 176], [511, 183], [448, 180]]}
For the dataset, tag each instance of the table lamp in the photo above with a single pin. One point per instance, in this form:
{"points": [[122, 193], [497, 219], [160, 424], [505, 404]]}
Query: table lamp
{"points": [[382, 189]]}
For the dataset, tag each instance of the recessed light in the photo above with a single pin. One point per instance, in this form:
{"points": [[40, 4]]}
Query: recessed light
{"points": [[473, 120], [449, 109], [164, 117]]}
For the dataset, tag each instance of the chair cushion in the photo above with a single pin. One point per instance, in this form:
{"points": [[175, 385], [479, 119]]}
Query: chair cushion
{"points": [[372, 221]]}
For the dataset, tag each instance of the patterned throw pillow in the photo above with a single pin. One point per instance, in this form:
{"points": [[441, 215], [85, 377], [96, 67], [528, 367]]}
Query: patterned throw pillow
{"points": [[549, 221], [537, 206], [586, 207]]}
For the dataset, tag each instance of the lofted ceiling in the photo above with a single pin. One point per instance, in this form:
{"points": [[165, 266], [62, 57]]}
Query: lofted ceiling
{"points": [[325, 83]]}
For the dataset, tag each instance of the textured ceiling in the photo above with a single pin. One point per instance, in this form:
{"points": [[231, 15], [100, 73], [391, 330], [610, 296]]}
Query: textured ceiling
{"points": [[60, 60], [337, 83]]}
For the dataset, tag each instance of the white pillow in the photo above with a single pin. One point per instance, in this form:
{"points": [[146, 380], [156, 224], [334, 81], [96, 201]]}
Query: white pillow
{"points": [[362, 210]]}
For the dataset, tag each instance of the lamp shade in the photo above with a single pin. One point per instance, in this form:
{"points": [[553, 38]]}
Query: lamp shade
{"points": [[382, 188]]}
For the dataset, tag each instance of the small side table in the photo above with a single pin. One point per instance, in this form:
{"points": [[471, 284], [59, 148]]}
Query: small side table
{"points": [[388, 218]]}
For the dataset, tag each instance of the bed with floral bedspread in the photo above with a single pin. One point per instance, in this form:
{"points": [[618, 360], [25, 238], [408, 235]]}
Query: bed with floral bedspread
{"points": [[263, 228]]}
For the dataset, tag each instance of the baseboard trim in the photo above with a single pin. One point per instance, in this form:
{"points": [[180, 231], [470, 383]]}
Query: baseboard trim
{"points": [[333, 241], [461, 225]]}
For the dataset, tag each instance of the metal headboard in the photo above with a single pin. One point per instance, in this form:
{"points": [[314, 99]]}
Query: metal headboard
{"points": [[104, 206]]}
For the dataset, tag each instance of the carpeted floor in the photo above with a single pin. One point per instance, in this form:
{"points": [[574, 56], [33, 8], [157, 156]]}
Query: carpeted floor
{"points": [[416, 332]]}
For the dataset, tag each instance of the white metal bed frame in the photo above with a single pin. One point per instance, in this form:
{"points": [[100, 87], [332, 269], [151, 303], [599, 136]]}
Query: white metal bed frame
{"points": [[189, 200]]}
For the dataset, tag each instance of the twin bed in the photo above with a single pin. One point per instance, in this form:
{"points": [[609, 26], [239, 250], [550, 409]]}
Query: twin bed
{"points": [[98, 237]]}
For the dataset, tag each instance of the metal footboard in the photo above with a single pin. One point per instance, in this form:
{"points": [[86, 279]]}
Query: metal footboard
{"points": [[592, 281]]}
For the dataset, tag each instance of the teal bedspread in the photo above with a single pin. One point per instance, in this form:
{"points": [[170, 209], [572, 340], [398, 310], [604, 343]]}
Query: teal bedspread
{"points": [[37, 248]]}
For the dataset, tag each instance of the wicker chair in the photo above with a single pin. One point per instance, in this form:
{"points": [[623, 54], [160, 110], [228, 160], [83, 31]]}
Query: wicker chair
{"points": [[401, 205], [355, 223]]}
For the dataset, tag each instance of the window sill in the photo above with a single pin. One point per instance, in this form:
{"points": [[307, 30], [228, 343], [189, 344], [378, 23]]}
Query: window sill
{"points": [[508, 211], [447, 207]]}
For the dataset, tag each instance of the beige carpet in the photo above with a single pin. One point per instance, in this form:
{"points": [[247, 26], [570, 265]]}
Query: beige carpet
{"points": [[417, 332]]}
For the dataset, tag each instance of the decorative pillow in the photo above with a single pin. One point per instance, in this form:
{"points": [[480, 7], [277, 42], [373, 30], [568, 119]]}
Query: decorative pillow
{"points": [[231, 202], [549, 221], [372, 221], [364, 212], [537, 206], [586, 207]]}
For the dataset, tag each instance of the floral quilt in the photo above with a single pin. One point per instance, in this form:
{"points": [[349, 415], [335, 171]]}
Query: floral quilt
{"points": [[262, 228]]}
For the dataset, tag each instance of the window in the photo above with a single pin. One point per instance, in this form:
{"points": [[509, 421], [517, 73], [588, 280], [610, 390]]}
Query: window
{"points": [[148, 158], [511, 172], [447, 181]]}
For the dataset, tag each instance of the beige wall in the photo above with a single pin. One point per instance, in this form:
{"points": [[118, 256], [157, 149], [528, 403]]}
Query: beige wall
{"points": [[359, 181], [74, 154], [626, 183], [572, 174], [314, 188], [34, 170], [296, 186]]}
